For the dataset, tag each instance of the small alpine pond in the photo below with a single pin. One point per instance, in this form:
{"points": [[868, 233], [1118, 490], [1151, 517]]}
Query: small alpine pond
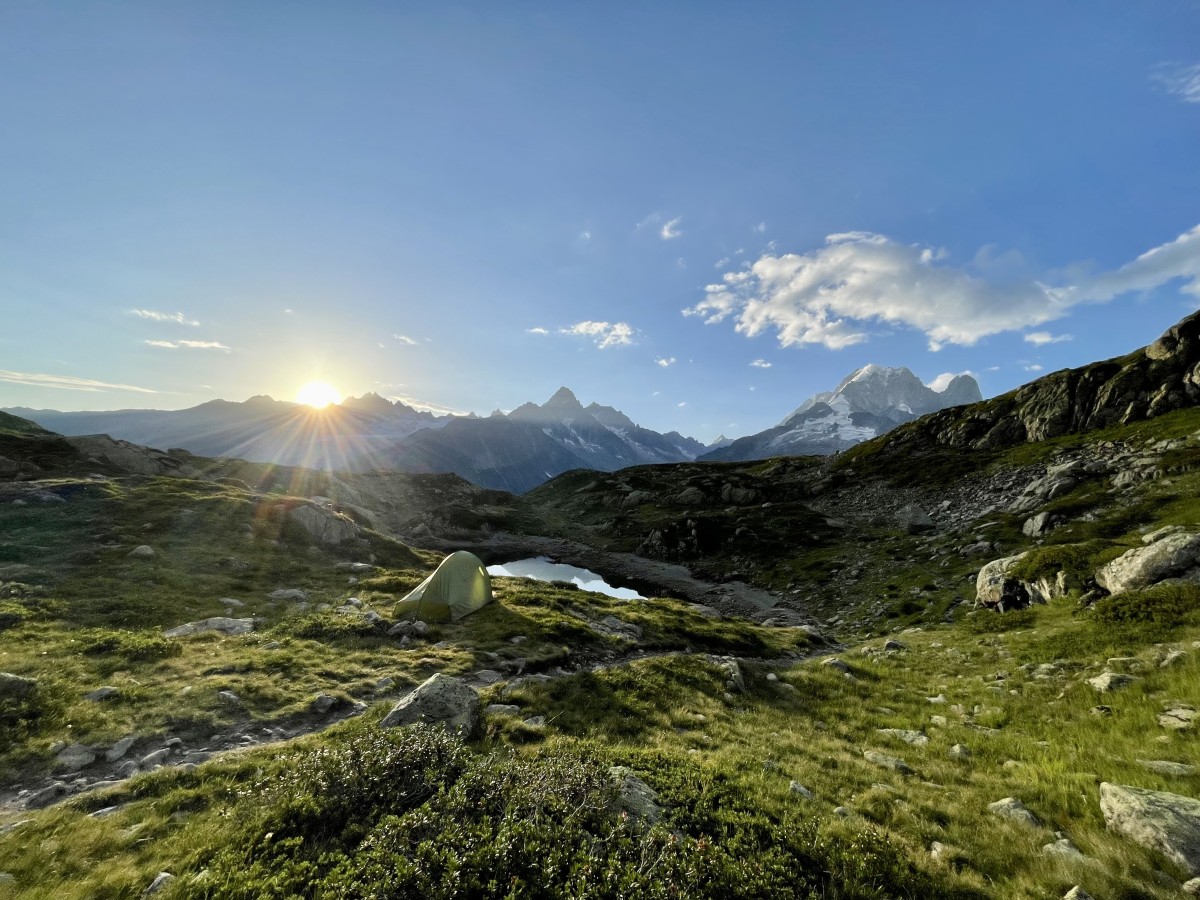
{"points": [[543, 568]]}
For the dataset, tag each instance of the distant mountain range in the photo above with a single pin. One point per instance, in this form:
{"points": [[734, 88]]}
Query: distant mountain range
{"points": [[868, 402], [515, 451]]}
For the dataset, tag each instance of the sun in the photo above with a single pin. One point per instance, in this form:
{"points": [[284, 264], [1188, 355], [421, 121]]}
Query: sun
{"points": [[318, 394]]}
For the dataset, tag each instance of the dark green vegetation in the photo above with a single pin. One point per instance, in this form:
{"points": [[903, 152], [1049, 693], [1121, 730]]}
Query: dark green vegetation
{"points": [[765, 785]]}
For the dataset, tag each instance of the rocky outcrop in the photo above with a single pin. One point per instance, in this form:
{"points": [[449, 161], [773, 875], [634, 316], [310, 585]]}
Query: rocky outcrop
{"points": [[441, 700], [1159, 379], [997, 589], [1168, 823], [324, 525], [1173, 556]]}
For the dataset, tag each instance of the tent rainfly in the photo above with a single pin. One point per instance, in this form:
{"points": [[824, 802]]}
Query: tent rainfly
{"points": [[458, 587]]}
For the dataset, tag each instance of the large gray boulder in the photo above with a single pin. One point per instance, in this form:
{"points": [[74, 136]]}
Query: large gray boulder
{"points": [[634, 796], [1168, 823], [1174, 556], [996, 589], [441, 700], [913, 519], [324, 525], [221, 624]]}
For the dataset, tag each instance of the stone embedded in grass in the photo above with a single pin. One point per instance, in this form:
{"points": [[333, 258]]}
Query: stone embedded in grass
{"points": [[1077, 893], [1172, 658], [161, 880], [1014, 809], [1063, 847], [888, 762], [1192, 887], [157, 758], [1167, 823], [894, 646], [796, 787], [1165, 767], [229, 697], [288, 594], [220, 624], [440, 700], [101, 694], [960, 751], [634, 796], [1178, 718], [15, 687], [707, 611], [501, 709], [611, 626], [1111, 681], [144, 551], [322, 703], [916, 738], [834, 663]]}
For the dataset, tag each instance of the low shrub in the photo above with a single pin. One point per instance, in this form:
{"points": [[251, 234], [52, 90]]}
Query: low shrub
{"points": [[1165, 605]]}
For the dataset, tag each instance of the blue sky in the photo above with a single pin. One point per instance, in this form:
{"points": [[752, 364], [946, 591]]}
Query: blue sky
{"points": [[700, 213]]}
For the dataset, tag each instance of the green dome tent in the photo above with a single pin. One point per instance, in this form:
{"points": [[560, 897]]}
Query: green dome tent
{"points": [[458, 587]]}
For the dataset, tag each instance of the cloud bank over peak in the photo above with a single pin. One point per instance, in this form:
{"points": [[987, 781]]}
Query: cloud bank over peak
{"points": [[835, 295]]}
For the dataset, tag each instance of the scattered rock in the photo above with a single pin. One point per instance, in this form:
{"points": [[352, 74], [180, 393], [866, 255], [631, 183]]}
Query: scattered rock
{"points": [[1077, 893], [834, 663], [157, 758], [796, 787], [229, 697], [894, 646], [46, 796], [913, 519], [76, 756], [916, 738], [322, 703], [1036, 526], [144, 551], [634, 796], [1012, 808], [413, 628], [1164, 767], [221, 624], [707, 611], [611, 626], [1172, 657], [1111, 681], [15, 687], [501, 709], [442, 700], [1168, 823], [101, 694], [960, 751], [734, 679], [1178, 718], [888, 762], [1192, 887], [289, 594], [161, 880], [1062, 847], [120, 748]]}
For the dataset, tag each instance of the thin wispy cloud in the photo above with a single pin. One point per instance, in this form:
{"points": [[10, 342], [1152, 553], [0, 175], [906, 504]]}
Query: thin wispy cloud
{"points": [[605, 334], [1039, 338], [721, 263], [1033, 368], [835, 295], [154, 315], [761, 364], [1179, 80], [760, 227], [405, 339], [538, 330], [670, 230], [190, 345], [681, 404], [665, 361], [426, 406], [68, 383]]}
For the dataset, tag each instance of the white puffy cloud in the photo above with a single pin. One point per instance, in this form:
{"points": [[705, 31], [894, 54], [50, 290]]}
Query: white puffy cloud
{"points": [[538, 330], [941, 382], [605, 334], [671, 229], [834, 295], [190, 345], [177, 318], [665, 361], [68, 383], [405, 339], [1044, 337], [1034, 367], [761, 364], [1180, 80]]}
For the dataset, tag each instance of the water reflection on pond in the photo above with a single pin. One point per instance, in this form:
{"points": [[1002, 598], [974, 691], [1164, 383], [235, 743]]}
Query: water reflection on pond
{"points": [[544, 569]]}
